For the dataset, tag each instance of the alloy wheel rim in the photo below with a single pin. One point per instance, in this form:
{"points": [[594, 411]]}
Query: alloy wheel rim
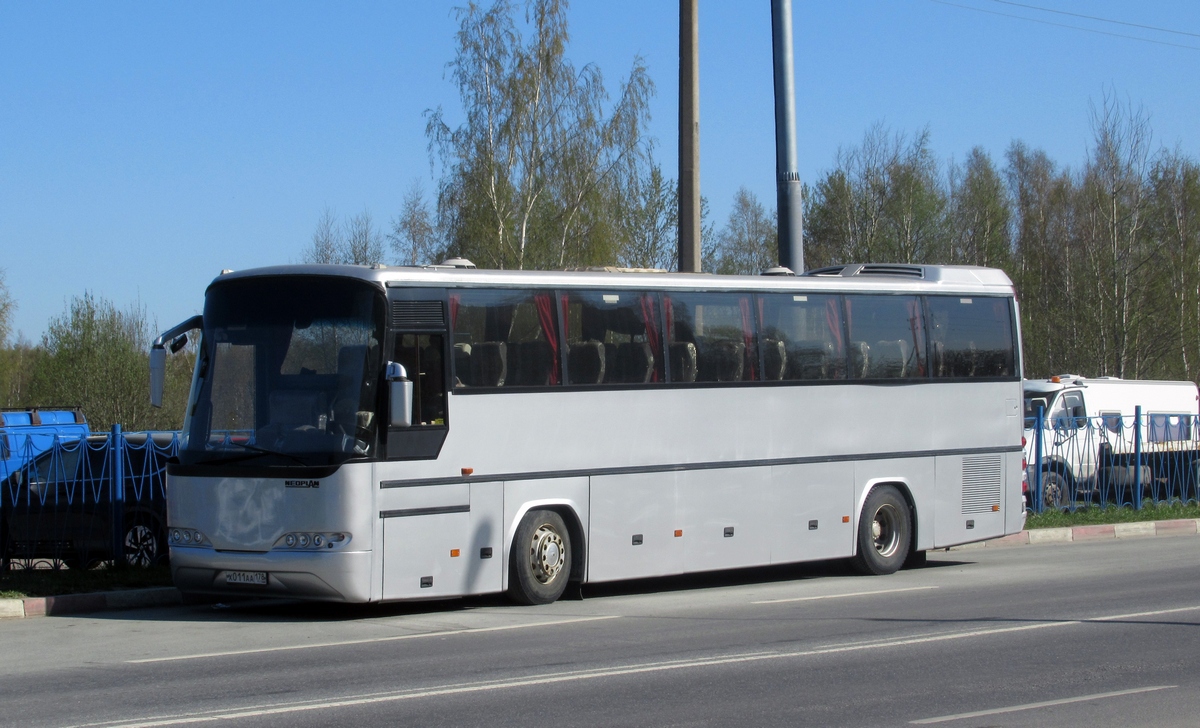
{"points": [[884, 531], [140, 546], [547, 554]]}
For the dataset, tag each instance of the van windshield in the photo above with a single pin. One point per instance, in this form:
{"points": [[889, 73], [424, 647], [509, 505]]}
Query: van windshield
{"points": [[1034, 400], [288, 373]]}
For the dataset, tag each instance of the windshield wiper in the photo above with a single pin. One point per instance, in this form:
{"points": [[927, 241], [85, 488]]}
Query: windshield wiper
{"points": [[255, 452]]}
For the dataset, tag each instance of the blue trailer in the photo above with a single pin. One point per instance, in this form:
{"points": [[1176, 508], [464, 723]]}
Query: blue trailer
{"points": [[25, 433]]}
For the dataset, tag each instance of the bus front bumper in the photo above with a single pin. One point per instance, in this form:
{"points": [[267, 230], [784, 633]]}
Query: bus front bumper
{"points": [[336, 577]]}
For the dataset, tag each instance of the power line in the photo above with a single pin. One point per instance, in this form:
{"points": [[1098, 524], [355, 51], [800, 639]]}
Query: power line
{"points": [[1093, 17], [1064, 25]]}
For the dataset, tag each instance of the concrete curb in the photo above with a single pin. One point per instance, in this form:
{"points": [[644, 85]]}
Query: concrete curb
{"points": [[98, 602], [1139, 529]]}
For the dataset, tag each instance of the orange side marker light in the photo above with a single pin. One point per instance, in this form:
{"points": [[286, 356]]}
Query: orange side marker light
{"points": [[845, 519], [454, 553], [678, 532], [468, 471]]}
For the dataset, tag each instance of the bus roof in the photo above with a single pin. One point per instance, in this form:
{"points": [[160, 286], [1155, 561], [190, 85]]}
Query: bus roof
{"points": [[850, 278]]}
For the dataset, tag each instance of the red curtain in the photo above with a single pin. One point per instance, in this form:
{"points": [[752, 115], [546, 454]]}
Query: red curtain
{"points": [[748, 337], [544, 303], [834, 321], [454, 300], [651, 321]]}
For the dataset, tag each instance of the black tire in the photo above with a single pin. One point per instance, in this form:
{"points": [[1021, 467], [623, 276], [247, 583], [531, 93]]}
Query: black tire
{"points": [[884, 533], [541, 559], [144, 543], [1054, 490]]}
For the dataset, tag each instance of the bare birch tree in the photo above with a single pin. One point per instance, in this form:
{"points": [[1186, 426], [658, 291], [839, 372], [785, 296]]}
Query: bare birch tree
{"points": [[528, 175]]}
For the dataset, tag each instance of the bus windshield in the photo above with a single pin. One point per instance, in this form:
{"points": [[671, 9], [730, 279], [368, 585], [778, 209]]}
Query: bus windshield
{"points": [[288, 373]]}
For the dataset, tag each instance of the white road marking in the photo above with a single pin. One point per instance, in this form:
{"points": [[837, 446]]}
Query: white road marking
{"points": [[616, 671], [394, 638], [840, 596], [1043, 704]]}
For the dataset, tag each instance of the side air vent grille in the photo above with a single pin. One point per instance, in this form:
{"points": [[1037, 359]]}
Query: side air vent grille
{"points": [[870, 269], [833, 270], [904, 271], [981, 483], [418, 315]]}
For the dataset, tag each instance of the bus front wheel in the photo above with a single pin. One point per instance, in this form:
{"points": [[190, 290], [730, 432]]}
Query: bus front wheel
{"points": [[541, 559], [884, 533]]}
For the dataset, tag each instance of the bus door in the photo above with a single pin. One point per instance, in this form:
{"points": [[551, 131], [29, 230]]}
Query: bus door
{"points": [[423, 527]]}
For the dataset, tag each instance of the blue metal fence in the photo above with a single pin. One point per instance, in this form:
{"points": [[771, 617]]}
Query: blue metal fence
{"points": [[86, 501], [1112, 460]]}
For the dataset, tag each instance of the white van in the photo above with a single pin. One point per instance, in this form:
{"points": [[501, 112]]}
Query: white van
{"points": [[1089, 440]]}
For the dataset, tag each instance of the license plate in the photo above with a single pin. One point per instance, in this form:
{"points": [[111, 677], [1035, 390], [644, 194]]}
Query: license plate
{"points": [[246, 577]]}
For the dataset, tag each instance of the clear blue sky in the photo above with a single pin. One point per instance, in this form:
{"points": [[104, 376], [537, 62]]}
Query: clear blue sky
{"points": [[146, 146]]}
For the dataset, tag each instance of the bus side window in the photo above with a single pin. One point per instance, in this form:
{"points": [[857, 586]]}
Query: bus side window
{"points": [[887, 337], [421, 355], [802, 337], [720, 329], [972, 337], [612, 337], [505, 338]]}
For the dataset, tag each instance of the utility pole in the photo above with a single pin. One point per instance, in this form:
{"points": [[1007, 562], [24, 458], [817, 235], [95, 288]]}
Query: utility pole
{"points": [[689, 138], [788, 190]]}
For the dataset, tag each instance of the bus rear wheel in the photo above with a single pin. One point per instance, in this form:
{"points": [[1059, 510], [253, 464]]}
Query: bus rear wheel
{"points": [[541, 559], [884, 533]]}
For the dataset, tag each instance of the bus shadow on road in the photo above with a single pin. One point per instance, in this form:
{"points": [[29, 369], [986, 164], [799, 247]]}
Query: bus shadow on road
{"points": [[254, 609], [831, 569]]}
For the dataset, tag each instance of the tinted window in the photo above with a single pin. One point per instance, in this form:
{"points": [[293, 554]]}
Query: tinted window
{"points": [[802, 337], [612, 337], [421, 355], [711, 337], [886, 337], [971, 337], [504, 338]]}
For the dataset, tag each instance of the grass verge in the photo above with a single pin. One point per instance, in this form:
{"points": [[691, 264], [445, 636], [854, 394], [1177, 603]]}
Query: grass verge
{"points": [[44, 582], [1094, 515]]}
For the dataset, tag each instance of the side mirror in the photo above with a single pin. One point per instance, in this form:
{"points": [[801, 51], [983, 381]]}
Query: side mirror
{"points": [[176, 338], [400, 396], [158, 375]]}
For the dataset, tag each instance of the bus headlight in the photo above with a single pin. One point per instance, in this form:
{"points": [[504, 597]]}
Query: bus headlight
{"points": [[187, 537], [309, 541]]}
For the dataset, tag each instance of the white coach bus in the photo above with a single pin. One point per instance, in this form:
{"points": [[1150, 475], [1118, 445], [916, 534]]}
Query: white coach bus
{"points": [[373, 434]]}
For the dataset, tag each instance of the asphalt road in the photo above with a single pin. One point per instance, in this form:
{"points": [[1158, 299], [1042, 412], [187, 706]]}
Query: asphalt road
{"points": [[1103, 634]]}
